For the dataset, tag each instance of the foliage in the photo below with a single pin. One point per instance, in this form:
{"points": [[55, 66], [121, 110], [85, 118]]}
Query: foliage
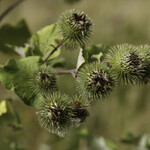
{"points": [[18, 36], [99, 70], [42, 42], [15, 76], [33, 81], [8, 115]]}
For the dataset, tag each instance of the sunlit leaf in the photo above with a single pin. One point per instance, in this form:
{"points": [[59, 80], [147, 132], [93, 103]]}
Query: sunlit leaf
{"points": [[8, 116], [3, 107], [43, 42]]}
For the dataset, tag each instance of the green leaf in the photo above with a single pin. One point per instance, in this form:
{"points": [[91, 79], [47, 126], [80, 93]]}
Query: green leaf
{"points": [[3, 107], [6, 49], [81, 59], [44, 41], [59, 62], [8, 116], [15, 35], [95, 53], [91, 54], [15, 76], [6, 112], [11, 36]]}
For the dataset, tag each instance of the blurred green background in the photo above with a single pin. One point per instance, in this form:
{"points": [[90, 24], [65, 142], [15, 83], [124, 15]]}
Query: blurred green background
{"points": [[126, 110]]}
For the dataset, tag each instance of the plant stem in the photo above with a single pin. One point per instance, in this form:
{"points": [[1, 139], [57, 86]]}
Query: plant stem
{"points": [[72, 72], [55, 49], [11, 7]]}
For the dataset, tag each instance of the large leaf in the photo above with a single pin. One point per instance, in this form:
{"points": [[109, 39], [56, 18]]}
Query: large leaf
{"points": [[15, 76], [11, 36], [44, 41]]}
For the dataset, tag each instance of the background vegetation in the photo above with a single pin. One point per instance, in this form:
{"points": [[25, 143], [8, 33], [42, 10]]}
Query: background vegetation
{"points": [[125, 111]]}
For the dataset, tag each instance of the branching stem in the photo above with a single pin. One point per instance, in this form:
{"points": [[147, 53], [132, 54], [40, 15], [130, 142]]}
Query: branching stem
{"points": [[10, 8], [55, 49], [72, 72]]}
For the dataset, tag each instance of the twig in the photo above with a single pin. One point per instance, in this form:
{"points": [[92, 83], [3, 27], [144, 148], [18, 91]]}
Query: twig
{"points": [[55, 48], [11, 7], [72, 72]]}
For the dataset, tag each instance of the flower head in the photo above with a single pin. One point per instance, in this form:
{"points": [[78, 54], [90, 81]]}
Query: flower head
{"points": [[55, 113], [80, 110], [127, 64], [75, 27], [95, 81], [144, 52], [43, 79]]}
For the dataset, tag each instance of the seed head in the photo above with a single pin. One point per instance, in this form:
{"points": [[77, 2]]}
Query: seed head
{"points": [[99, 81], [144, 52], [75, 27], [55, 113], [80, 111], [95, 81], [43, 79], [127, 64]]}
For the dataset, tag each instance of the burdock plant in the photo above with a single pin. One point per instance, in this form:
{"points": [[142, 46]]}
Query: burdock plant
{"points": [[34, 79]]}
